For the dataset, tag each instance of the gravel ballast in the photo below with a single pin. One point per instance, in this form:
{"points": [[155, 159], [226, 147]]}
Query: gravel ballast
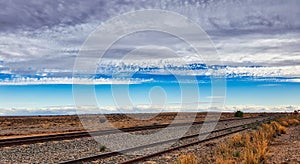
{"points": [[59, 151]]}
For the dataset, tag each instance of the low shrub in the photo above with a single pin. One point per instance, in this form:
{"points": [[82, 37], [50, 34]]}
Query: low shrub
{"points": [[102, 147], [238, 114]]}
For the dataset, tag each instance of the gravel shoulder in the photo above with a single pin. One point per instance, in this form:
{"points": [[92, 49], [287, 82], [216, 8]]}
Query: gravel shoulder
{"points": [[286, 148]]}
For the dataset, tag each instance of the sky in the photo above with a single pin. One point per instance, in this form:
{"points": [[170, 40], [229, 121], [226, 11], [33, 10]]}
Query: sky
{"points": [[257, 43]]}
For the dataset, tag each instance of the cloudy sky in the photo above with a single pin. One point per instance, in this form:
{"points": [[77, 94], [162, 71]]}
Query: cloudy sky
{"points": [[257, 41]]}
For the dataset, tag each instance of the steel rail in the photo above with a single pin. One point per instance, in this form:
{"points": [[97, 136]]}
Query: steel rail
{"points": [[114, 153], [66, 136]]}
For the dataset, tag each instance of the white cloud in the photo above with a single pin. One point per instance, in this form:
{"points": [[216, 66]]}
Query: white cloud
{"points": [[65, 80], [295, 80], [215, 97], [283, 71], [260, 49], [122, 74], [269, 85], [43, 38], [67, 110], [187, 68]]}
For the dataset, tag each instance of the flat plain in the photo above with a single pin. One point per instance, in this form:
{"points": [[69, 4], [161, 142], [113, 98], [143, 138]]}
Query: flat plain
{"points": [[21, 126]]}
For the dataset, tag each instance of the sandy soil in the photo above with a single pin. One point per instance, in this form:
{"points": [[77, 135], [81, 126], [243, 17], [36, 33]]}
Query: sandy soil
{"points": [[286, 148], [13, 126]]}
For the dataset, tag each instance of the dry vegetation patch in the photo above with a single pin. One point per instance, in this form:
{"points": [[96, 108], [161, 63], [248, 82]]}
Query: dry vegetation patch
{"points": [[187, 159], [250, 147]]}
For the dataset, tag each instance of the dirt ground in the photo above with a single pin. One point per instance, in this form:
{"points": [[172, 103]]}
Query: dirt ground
{"points": [[286, 148], [20, 126]]}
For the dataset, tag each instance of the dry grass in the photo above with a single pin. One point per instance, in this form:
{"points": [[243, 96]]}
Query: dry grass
{"points": [[279, 129], [187, 159], [221, 161], [249, 147], [253, 145], [293, 121], [289, 121], [284, 123], [236, 140], [256, 148], [46, 125]]}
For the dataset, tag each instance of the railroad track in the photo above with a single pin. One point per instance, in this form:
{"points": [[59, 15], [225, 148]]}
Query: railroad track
{"points": [[228, 131], [67, 136]]}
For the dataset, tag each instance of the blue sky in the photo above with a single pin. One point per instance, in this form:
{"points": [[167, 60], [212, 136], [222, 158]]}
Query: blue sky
{"points": [[257, 41], [247, 95]]}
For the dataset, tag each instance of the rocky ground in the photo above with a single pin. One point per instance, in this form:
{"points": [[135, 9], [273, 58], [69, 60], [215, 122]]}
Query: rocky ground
{"points": [[286, 148]]}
